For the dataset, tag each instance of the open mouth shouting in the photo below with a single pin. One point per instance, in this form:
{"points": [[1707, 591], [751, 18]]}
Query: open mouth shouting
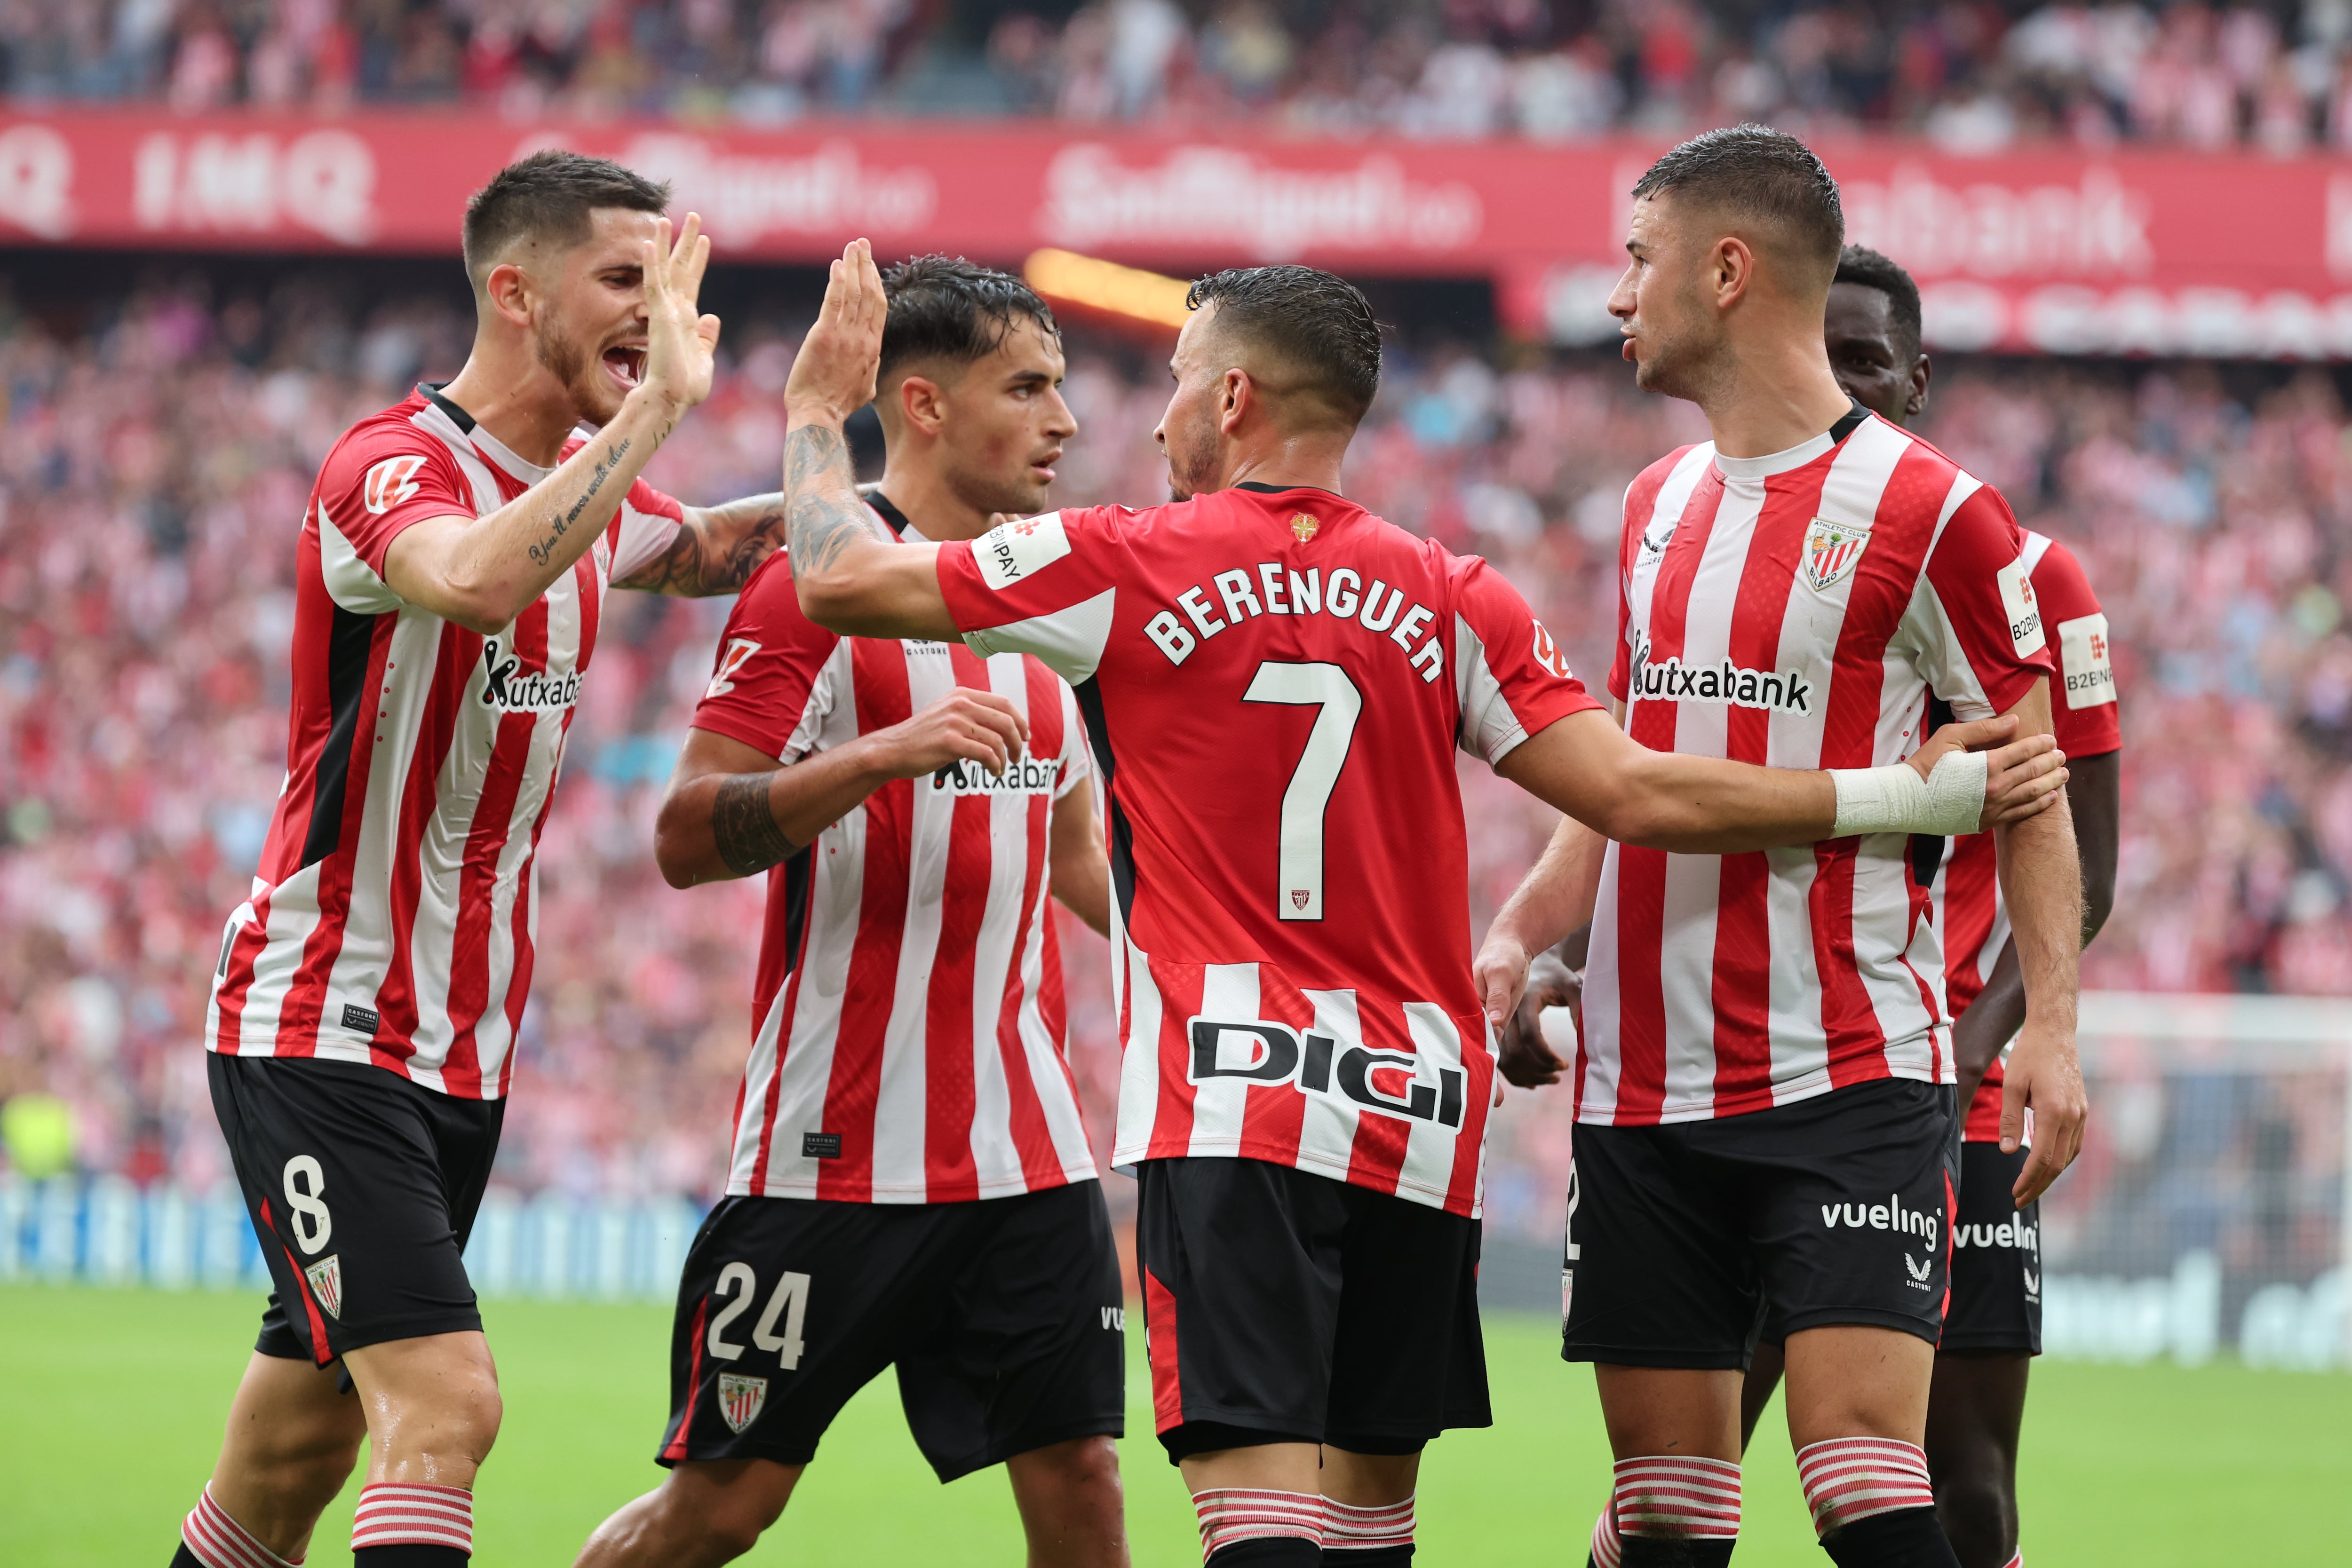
{"points": [[625, 363]]}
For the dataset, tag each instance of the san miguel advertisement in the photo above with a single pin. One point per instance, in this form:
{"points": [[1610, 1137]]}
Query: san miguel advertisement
{"points": [[2046, 251]]}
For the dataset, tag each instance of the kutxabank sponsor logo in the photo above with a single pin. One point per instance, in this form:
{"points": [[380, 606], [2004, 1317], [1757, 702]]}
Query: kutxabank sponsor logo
{"points": [[1723, 682], [1384, 1083], [1022, 775], [509, 688]]}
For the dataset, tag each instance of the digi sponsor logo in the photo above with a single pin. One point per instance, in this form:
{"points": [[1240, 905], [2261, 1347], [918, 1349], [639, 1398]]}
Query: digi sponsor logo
{"points": [[732, 660], [1725, 682], [509, 688], [1022, 775], [2082, 660], [1009, 552], [390, 483], [2022, 608], [1384, 1083]]}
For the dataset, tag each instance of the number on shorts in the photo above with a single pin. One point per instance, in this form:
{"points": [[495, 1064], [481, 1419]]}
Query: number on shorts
{"points": [[789, 1302], [1570, 1252], [306, 1206], [1298, 887]]}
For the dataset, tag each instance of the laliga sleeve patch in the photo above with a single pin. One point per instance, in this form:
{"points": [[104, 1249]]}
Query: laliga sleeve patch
{"points": [[2082, 662], [1016, 552], [2023, 608], [389, 482]]}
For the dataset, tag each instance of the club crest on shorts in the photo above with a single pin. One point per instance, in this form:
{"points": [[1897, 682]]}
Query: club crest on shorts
{"points": [[1832, 549], [326, 1277], [741, 1399]]}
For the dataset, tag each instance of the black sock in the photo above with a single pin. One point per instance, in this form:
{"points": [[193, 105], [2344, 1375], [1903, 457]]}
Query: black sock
{"points": [[1397, 1556], [183, 1558], [1690, 1552], [1268, 1552], [1906, 1538], [409, 1555]]}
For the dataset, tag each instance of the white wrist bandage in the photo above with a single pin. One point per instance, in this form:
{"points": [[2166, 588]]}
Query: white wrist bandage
{"points": [[1949, 800]]}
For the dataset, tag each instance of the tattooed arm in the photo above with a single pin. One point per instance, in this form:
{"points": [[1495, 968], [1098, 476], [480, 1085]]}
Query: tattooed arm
{"points": [[716, 548], [482, 572], [853, 578], [733, 810]]}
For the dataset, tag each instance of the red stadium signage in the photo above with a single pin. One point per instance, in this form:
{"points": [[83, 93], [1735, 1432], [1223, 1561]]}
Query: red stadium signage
{"points": [[2051, 251]]}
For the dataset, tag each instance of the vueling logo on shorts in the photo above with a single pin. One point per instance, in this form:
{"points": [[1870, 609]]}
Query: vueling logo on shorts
{"points": [[2024, 1235], [1385, 1082], [1889, 1215], [1725, 682]]}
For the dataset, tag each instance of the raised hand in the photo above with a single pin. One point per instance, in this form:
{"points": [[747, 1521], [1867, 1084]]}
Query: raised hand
{"points": [[833, 375], [680, 343], [2022, 778], [965, 725]]}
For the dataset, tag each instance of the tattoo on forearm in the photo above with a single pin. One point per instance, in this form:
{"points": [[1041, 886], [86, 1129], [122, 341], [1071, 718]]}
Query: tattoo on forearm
{"points": [[821, 494], [716, 549], [744, 830], [544, 551]]}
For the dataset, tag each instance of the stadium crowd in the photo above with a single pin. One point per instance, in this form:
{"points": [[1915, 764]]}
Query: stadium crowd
{"points": [[1973, 75], [157, 461]]}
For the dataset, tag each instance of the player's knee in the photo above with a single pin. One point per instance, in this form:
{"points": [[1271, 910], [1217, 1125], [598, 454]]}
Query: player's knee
{"points": [[724, 1509], [1079, 1465], [1974, 1507]]}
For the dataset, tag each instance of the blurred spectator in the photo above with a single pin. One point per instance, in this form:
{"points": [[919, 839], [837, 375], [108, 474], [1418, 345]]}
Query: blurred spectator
{"points": [[157, 461], [1973, 76]]}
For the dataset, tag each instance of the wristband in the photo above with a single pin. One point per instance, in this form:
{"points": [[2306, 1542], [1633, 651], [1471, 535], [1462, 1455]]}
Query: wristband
{"points": [[1895, 799]]}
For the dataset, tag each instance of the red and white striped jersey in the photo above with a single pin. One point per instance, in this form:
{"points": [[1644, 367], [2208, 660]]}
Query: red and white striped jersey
{"points": [[1274, 682], [1973, 921], [1795, 610], [909, 1044], [392, 915]]}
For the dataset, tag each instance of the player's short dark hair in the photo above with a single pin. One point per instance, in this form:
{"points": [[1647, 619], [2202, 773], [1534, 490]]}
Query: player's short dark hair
{"points": [[1757, 173], [1859, 264], [1317, 321], [550, 195], [945, 307]]}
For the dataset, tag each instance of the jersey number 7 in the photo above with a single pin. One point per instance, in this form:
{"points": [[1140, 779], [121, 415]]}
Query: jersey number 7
{"points": [[1327, 689]]}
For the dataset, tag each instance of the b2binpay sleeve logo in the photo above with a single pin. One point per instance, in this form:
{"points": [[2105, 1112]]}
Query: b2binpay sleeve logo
{"points": [[2023, 608], [1014, 552]]}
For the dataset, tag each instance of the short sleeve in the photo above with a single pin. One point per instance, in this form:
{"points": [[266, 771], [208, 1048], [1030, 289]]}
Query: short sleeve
{"points": [[644, 529], [1621, 663], [381, 480], [767, 687], [1510, 675], [1982, 638], [2082, 701], [1043, 586]]}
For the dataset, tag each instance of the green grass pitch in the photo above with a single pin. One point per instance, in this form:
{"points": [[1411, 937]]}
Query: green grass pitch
{"points": [[111, 1404]]}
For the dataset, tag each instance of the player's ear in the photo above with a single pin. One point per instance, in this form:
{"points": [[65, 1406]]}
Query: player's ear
{"points": [[1916, 403], [508, 290], [1735, 269], [1236, 394], [920, 400]]}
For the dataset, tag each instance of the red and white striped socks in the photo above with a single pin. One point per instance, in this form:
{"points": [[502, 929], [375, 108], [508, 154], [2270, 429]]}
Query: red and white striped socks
{"points": [[1848, 1480], [216, 1541], [1608, 1551], [441, 1518], [1352, 1535], [1231, 1515], [1678, 1498]]}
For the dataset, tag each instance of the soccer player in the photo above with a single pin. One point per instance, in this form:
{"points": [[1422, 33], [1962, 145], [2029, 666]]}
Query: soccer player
{"points": [[1275, 682], [910, 1180], [451, 571], [1992, 1324], [1763, 1101]]}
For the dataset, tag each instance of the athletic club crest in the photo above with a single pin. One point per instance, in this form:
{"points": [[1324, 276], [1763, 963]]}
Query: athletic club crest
{"points": [[741, 1399], [326, 1277], [1831, 551], [1303, 527]]}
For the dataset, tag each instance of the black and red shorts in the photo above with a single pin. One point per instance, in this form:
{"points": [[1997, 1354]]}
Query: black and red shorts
{"points": [[1282, 1306], [1003, 1317], [1996, 1260], [362, 1187], [1835, 1210]]}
